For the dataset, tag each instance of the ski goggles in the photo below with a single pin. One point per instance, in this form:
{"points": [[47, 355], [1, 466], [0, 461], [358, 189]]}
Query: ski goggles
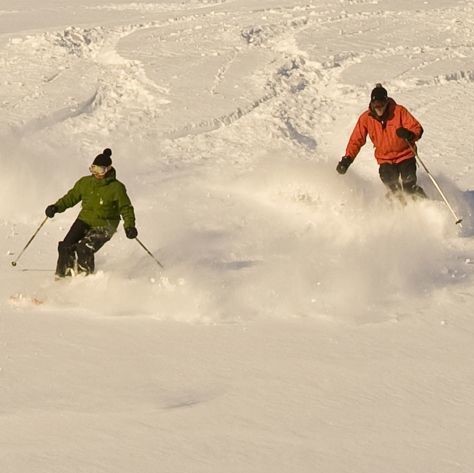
{"points": [[99, 170]]}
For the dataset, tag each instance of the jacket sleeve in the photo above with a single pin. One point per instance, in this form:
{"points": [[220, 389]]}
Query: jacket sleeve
{"points": [[411, 123], [69, 200], [126, 208], [358, 137]]}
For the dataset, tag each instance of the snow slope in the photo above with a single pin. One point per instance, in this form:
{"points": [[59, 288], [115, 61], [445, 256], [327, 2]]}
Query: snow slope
{"points": [[302, 322]]}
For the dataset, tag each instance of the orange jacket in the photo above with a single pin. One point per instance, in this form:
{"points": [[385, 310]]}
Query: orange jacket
{"points": [[389, 148]]}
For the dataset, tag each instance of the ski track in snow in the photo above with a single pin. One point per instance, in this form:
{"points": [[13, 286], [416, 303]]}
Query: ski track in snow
{"points": [[289, 109]]}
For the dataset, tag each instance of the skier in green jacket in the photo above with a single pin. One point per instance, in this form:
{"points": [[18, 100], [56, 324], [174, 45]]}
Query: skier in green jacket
{"points": [[104, 200]]}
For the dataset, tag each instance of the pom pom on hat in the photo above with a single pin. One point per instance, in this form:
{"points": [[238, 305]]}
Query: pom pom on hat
{"points": [[104, 159]]}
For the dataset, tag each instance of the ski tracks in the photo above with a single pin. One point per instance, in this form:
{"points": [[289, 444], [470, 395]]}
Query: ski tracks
{"points": [[113, 89], [300, 80]]}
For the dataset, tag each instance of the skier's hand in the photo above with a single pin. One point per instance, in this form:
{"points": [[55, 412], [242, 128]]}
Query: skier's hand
{"points": [[343, 164], [51, 210], [405, 134], [131, 232]]}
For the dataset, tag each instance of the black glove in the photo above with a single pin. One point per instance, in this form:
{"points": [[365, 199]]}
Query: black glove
{"points": [[51, 210], [405, 134], [131, 232], [343, 164]]}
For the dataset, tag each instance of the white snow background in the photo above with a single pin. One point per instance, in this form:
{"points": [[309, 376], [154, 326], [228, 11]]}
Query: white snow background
{"points": [[302, 323]]}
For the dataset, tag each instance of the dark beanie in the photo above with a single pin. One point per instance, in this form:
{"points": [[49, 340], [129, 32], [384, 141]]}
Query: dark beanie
{"points": [[379, 93], [104, 158]]}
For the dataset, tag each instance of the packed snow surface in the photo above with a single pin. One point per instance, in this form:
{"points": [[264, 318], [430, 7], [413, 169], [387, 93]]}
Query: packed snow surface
{"points": [[302, 322]]}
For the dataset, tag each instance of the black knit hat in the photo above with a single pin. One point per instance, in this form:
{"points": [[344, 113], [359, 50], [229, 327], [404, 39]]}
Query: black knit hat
{"points": [[104, 159], [379, 93]]}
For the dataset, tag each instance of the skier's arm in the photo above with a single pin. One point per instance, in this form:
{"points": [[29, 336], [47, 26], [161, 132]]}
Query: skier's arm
{"points": [[410, 123], [357, 138], [126, 208], [69, 200]]}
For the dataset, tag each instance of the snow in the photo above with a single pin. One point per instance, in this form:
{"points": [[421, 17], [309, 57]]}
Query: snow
{"points": [[302, 322]]}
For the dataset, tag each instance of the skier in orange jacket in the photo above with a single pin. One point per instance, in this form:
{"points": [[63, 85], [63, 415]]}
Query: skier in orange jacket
{"points": [[390, 127]]}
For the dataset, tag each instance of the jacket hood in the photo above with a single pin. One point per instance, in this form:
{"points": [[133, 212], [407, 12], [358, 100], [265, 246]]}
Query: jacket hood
{"points": [[111, 175]]}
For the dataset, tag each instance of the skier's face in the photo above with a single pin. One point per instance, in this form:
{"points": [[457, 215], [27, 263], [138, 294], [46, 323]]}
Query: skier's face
{"points": [[99, 172], [379, 106]]}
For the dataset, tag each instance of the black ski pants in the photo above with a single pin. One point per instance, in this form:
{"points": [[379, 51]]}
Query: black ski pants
{"points": [[76, 251], [401, 176]]}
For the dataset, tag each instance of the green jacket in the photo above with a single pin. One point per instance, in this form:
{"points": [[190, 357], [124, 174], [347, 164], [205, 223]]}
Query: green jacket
{"points": [[103, 202]]}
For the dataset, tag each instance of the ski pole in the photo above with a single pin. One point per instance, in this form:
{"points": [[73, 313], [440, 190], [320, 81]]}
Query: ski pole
{"points": [[29, 241], [458, 220], [149, 252]]}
